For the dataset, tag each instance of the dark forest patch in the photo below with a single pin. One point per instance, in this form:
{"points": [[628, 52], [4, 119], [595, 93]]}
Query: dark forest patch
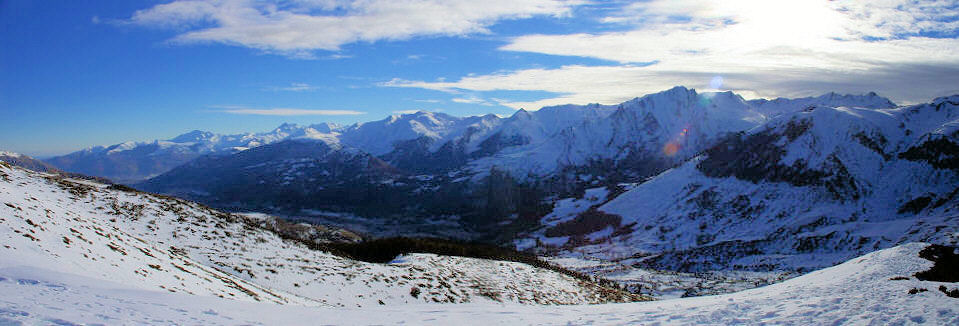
{"points": [[946, 268], [587, 222], [939, 152], [916, 205]]}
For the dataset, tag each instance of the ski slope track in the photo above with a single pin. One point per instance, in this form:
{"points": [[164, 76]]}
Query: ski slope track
{"points": [[157, 243]]}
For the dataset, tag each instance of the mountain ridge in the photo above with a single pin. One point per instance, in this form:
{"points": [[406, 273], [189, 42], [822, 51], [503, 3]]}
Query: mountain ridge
{"points": [[131, 162]]}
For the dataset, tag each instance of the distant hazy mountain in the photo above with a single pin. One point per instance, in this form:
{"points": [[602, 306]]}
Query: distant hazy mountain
{"points": [[135, 161]]}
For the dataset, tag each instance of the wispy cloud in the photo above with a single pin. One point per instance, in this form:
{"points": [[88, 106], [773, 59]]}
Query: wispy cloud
{"points": [[337, 56], [281, 111], [296, 28], [294, 87], [471, 100], [904, 49], [405, 111]]}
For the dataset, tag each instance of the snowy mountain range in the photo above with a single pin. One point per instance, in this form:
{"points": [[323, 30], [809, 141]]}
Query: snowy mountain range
{"points": [[672, 194], [539, 141], [676, 180], [482, 171]]}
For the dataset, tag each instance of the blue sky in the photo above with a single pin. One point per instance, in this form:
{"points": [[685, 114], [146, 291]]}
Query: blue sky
{"points": [[79, 73]]}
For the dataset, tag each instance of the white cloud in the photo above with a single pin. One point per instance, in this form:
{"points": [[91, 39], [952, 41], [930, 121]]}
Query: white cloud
{"points": [[760, 48], [405, 111], [283, 111], [297, 27], [748, 34]]}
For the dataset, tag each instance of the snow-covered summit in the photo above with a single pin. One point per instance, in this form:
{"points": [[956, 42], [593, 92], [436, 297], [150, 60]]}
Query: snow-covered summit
{"points": [[193, 137]]}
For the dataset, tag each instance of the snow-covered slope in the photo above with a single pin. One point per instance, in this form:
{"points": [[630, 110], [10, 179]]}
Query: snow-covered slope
{"points": [[165, 244], [878, 288], [806, 190]]}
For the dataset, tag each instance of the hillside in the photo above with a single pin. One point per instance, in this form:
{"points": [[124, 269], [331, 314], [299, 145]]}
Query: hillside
{"points": [[157, 243]]}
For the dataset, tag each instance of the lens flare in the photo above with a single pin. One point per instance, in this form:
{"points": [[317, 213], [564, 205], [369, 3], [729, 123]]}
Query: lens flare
{"points": [[716, 83], [671, 148], [705, 99]]}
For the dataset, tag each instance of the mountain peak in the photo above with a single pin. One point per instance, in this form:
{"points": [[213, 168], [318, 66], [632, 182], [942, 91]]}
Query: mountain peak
{"points": [[951, 98], [287, 126], [521, 114], [325, 127], [192, 136], [869, 100], [678, 90]]}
